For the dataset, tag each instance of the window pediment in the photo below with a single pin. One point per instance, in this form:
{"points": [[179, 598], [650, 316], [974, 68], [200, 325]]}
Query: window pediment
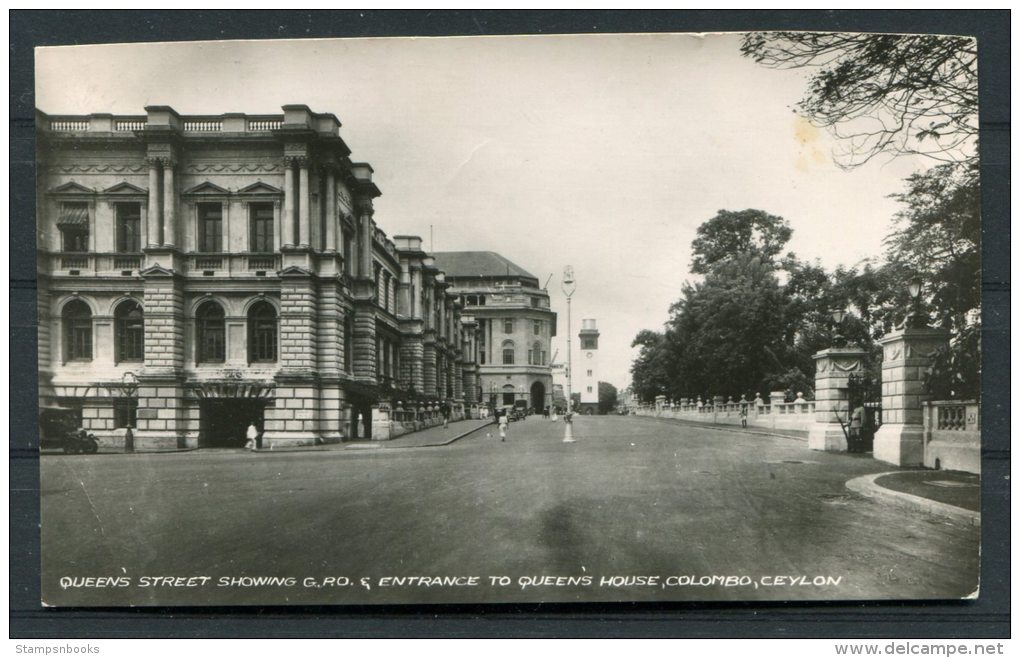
{"points": [[206, 189], [125, 188], [260, 189], [72, 189]]}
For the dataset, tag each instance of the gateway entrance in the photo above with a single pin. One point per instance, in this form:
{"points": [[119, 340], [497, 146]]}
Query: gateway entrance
{"points": [[224, 422]]}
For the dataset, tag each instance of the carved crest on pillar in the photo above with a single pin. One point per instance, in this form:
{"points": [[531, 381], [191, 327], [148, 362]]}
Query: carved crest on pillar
{"points": [[846, 365]]}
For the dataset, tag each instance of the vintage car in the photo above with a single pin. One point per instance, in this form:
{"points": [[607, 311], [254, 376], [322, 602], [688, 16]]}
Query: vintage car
{"points": [[59, 428]]}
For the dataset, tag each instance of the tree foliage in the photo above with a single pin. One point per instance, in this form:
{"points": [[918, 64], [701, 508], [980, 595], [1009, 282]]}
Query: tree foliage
{"points": [[731, 235], [607, 397], [883, 93], [937, 236]]}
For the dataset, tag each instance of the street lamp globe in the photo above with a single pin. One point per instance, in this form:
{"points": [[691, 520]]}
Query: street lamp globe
{"points": [[837, 315], [914, 287]]}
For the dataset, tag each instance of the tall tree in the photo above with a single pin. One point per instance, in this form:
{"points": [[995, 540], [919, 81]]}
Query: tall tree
{"points": [[937, 236], [607, 397], [649, 373], [728, 329], [734, 233], [883, 93]]}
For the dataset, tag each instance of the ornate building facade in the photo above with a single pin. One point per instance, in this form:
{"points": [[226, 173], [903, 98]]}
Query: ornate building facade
{"points": [[200, 273], [514, 326]]}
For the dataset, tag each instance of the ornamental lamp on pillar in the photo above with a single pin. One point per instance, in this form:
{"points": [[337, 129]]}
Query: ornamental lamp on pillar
{"points": [[838, 315], [916, 318]]}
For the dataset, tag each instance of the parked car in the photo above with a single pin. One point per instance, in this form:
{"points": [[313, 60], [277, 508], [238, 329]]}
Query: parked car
{"points": [[58, 428], [522, 409]]}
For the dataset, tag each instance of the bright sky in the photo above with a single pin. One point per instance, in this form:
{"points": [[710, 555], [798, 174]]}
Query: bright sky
{"points": [[604, 152]]}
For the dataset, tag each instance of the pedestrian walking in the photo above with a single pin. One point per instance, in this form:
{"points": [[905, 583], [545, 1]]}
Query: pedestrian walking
{"points": [[743, 416], [856, 423], [253, 435], [504, 420], [446, 415]]}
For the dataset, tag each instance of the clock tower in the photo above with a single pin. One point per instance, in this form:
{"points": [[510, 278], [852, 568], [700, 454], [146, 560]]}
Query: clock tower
{"points": [[589, 367]]}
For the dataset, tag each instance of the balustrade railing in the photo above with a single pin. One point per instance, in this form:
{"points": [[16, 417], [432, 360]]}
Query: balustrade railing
{"points": [[208, 263], [129, 125], [69, 125], [76, 262], [127, 262], [203, 125], [951, 416], [265, 263], [264, 125]]}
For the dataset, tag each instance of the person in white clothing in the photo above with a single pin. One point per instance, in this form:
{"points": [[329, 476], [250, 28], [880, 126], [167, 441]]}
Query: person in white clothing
{"points": [[253, 435], [504, 420]]}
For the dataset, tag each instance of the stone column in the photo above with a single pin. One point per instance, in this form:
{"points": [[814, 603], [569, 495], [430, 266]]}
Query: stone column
{"points": [[365, 212], [364, 351], [288, 202], [169, 204], [429, 379], [833, 368], [304, 203], [415, 292], [331, 219], [152, 219], [906, 355]]}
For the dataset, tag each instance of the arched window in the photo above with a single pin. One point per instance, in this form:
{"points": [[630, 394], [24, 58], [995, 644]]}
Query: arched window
{"points": [[129, 331], [210, 334], [508, 352], [262, 333], [535, 354], [77, 318]]}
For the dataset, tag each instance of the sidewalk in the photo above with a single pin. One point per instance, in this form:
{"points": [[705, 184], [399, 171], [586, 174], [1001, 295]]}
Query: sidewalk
{"points": [[430, 438], [796, 435], [951, 494]]}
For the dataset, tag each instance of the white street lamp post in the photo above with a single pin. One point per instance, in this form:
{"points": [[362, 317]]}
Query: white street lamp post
{"points": [[568, 287]]}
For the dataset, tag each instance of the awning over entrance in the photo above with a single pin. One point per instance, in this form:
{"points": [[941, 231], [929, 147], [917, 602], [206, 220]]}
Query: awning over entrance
{"points": [[216, 390]]}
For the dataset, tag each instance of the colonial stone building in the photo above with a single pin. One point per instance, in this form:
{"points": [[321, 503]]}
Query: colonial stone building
{"points": [[199, 273], [514, 326]]}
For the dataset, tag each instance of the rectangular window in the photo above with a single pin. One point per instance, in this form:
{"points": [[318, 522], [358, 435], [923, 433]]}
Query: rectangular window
{"points": [[508, 356], [537, 327], [508, 326], [125, 413], [74, 226], [508, 399], [589, 344], [129, 220], [589, 373], [589, 389], [79, 339], [210, 227], [261, 217]]}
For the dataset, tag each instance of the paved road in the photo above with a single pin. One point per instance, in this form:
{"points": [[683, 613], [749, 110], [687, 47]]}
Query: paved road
{"points": [[633, 497]]}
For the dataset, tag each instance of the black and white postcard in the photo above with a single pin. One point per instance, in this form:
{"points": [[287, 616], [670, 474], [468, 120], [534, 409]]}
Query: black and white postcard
{"points": [[580, 318]]}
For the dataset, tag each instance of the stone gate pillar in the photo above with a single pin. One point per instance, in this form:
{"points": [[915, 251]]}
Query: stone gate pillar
{"points": [[906, 355], [833, 368]]}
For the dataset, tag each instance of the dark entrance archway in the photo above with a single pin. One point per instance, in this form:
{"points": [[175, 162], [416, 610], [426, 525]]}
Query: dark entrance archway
{"points": [[538, 397], [223, 422]]}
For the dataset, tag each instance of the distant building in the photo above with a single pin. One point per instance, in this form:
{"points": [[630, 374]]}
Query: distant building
{"points": [[514, 325], [588, 368]]}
